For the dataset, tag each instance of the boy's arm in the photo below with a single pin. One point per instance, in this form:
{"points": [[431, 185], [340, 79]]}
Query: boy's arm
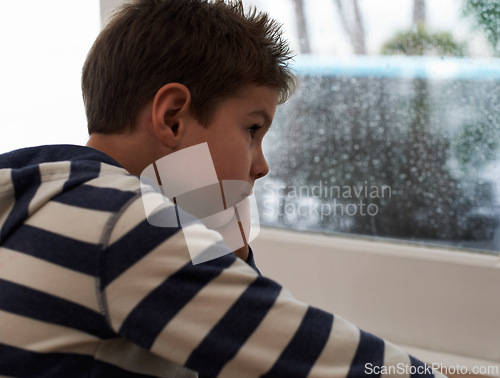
{"points": [[221, 318]]}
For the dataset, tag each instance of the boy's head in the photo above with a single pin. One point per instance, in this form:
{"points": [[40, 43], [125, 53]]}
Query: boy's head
{"points": [[211, 47]]}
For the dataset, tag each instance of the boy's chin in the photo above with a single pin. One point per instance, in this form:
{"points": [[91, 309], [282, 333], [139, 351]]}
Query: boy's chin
{"points": [[220, 219]]}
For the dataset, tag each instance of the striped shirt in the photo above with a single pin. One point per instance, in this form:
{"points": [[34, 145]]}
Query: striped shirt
{"points": [[89, 288]]}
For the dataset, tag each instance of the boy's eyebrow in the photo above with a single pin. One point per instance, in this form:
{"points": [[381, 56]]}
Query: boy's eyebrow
{"points": [[261, 112]]}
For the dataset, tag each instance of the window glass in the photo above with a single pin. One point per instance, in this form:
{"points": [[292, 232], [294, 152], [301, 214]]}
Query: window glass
{"points": [[44, 44], [395, 128]]}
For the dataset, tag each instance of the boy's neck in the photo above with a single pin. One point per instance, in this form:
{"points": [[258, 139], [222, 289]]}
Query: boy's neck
{"points": [[134, 151]]}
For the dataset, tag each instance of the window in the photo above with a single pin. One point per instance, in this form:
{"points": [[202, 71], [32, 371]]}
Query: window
{"points": [[394, 131], [44, 44], [416, 136]]}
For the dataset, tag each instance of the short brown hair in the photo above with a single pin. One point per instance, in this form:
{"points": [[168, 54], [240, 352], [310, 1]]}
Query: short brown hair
{"points": [[214, 48]]}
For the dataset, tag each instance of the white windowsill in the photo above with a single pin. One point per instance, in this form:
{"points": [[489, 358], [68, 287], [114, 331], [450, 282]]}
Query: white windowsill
{"points": [[440, 302]]}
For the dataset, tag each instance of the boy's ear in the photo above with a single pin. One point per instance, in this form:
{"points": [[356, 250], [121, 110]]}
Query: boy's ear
{"points": [[170, 110]]}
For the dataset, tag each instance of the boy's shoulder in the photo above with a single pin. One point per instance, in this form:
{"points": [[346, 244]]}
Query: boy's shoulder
{"points": [[72, 177]]}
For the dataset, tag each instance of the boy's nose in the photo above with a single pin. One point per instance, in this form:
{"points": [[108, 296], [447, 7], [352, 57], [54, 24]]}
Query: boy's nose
{"points": [[260, 168]]}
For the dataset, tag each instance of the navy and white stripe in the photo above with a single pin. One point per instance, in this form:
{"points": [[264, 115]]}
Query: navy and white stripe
{"points": [[89, 288]]}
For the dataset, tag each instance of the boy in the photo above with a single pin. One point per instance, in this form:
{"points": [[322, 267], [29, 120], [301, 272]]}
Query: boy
{"points": [[89, 288]]}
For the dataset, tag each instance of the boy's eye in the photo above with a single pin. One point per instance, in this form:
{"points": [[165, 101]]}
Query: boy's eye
{"points": [[252, 129]]}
